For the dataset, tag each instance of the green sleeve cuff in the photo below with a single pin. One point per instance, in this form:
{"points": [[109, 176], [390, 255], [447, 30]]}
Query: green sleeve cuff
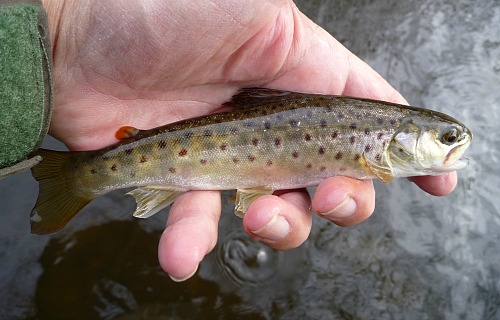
{"points": [[25, 83]]}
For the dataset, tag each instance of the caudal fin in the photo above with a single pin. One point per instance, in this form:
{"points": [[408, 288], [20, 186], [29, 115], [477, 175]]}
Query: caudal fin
{"points": [[58, 199]]}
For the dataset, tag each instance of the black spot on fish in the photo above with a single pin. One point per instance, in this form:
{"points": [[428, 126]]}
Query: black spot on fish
{"points": [[377, 158], [129, 151], [236, 160], [338, 156], [353, 126], [234, 130], [352, 139], [309, 166], [132, 174], [309, 114], [367, 131], [343, 169], [406, 131], [172, 170], [269, 163], [380, 136], [143, 159], [203, 161], [162, 144], [410, 121], [323, 123], [223, 147], [93, 171], [264, 112], [368, 148], [183, 153], [294, 122], [307, 137], [255, 142], [188, 134], [295, 154], [380, 120], [113, 167], [248, 124], [321, 150], [208, 133], [335, 134], [340, 115], [357, 157], [392, 121], [267, 125], [277, 142], [322, 169], [251, 158], [358, 116]]}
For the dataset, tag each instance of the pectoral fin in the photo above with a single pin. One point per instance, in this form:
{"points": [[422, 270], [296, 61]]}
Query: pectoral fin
{"points": [[150, 200], [244, 197], [373, 168]]}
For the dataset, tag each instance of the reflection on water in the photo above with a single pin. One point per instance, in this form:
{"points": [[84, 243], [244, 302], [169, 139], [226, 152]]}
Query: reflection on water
{"points": [[418, 257]]}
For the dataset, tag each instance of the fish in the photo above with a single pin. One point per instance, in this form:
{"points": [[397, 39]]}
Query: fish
{"points": [[268, 140]]}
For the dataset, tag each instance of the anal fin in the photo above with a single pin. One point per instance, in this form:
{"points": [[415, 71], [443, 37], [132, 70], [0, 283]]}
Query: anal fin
{"points": [[244, 197], [150, 200]]}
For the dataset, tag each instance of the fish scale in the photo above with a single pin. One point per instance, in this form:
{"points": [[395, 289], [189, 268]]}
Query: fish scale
{"points": [[270, 140]]}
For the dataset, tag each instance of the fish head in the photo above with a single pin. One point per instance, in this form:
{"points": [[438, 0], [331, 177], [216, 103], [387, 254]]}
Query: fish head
{"points": [[428, 146]]}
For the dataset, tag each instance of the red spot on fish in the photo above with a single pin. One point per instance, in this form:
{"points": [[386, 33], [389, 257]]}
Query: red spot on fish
{"points": [[126, 132], [295, 154], [321, 150], [255, 142], [338, 156], [308, 137], [277, 142], [183, 153], [269, 163]]}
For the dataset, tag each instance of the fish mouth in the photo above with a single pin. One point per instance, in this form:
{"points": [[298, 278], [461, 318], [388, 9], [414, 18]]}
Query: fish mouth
{"points": [[454, 161]]}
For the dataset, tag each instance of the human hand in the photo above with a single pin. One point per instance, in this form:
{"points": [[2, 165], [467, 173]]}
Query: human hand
{"points": [[151, 62]]}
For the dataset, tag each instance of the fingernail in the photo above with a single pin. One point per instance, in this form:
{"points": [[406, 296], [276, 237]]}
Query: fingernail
{"points": [[274, 230], [183, 278], [343, 210]]}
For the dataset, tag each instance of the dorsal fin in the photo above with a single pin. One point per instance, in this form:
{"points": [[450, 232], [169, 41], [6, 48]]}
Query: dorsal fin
{"points": [[253, 97]]}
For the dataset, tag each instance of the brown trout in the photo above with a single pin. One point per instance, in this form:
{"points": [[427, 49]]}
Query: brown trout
{"points": [[269, 140]]}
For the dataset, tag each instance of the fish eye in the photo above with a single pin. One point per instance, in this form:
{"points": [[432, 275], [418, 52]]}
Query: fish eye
{"points": [[450, 135]]}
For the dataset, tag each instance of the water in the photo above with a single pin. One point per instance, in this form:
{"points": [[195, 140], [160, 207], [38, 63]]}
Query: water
{"points": [[418, 257]]}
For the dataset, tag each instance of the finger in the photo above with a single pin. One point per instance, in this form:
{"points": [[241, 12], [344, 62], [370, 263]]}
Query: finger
{"points": [[437, 185], [190, 234], [281, 222], [344, 201]]}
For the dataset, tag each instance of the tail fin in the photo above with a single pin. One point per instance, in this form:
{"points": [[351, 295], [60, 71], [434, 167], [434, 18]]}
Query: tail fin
{"points": [[58, 199]]}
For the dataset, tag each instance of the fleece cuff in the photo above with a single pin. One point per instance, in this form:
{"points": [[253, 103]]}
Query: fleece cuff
{"points": [[25, 83]]}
